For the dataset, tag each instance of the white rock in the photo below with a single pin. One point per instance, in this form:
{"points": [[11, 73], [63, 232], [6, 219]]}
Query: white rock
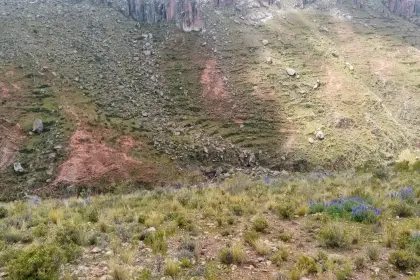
{"points": [[290, 71], [264, 42], [320, 135]]}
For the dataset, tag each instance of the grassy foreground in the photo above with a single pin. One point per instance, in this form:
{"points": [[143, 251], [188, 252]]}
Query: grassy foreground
{"points": [[363, 226]]}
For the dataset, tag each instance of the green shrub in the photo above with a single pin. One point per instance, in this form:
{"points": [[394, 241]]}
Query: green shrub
{"points": [[333, 236], [157, 240], [404, 260], [237, 209], [251, 236], [260, 224], [70, 237], [15, 236], [402, 166], [305, 265], [184, 222], [36, 263], [40, 230], [286, 210], [3, 212], [403, 210], [403, 239], [279, 256], [92, 215]]}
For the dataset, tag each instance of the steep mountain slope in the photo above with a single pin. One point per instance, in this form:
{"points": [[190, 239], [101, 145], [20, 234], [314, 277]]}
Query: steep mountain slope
{"points": [[134, 105]]}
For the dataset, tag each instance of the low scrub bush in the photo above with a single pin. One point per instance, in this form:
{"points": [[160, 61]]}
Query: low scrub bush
{"points": [[404, 260], [36, 262], [334, 236]]}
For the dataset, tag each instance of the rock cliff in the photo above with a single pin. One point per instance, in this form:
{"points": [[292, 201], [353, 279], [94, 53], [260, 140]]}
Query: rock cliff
{"points": [[185, 13]]}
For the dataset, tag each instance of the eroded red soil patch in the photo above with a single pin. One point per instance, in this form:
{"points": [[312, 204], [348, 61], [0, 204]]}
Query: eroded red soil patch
{"points": [[4, 91], [215, 96], [10, 138], [91, 159]]}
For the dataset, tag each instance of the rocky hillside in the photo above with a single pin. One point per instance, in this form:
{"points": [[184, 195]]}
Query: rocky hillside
{"points": [[97, 93]]}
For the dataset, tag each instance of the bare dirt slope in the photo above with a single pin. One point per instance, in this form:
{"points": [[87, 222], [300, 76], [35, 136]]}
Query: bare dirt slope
{"points": [[202, 102]]}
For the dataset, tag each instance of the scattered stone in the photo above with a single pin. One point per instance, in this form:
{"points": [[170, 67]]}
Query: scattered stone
{"points": [[38, 126], [311, 140], [18, 167], [96, 250], [334, 54], [317, 84], [148, 53], [290, 71], [319, 135], [351, 68], [144, 114], [269, 60], [264, 42]]}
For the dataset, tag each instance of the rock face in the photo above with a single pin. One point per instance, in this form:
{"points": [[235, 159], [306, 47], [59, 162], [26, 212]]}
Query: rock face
{"points": [[404, 8], [185, 13]]}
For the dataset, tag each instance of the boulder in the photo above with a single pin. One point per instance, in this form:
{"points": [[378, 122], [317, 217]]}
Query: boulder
{"points": [[38, 126], [290, 71], [17, 167], [319, 135]]}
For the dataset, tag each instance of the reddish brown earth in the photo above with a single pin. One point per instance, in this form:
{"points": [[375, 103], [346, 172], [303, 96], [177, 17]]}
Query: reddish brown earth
{"points": [[91, 159], [4, 91], [10, 138], [215, 96]]}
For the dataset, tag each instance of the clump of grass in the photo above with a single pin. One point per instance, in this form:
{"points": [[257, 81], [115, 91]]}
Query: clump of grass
{"points": [[404, 260], [103, 227], [305, 265], [157, 240], [372, 252], [36, 262], [260, 225], [286, 210], [3, 212], [184, 222], [302, 210], [237, 209], [92, 215], [359, 262], [40, 230], [233, 255], [13, 235], [172, 268], [333, 236], [119, 272], [279, 256], [285, 236], [260, 247], [402, 209], [186, 263], [56, 215], [145, 274]]}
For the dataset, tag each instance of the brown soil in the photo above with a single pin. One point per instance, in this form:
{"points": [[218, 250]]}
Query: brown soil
{"points": [[10, 138], [215, 96], [4, 91], [91, 159]]}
